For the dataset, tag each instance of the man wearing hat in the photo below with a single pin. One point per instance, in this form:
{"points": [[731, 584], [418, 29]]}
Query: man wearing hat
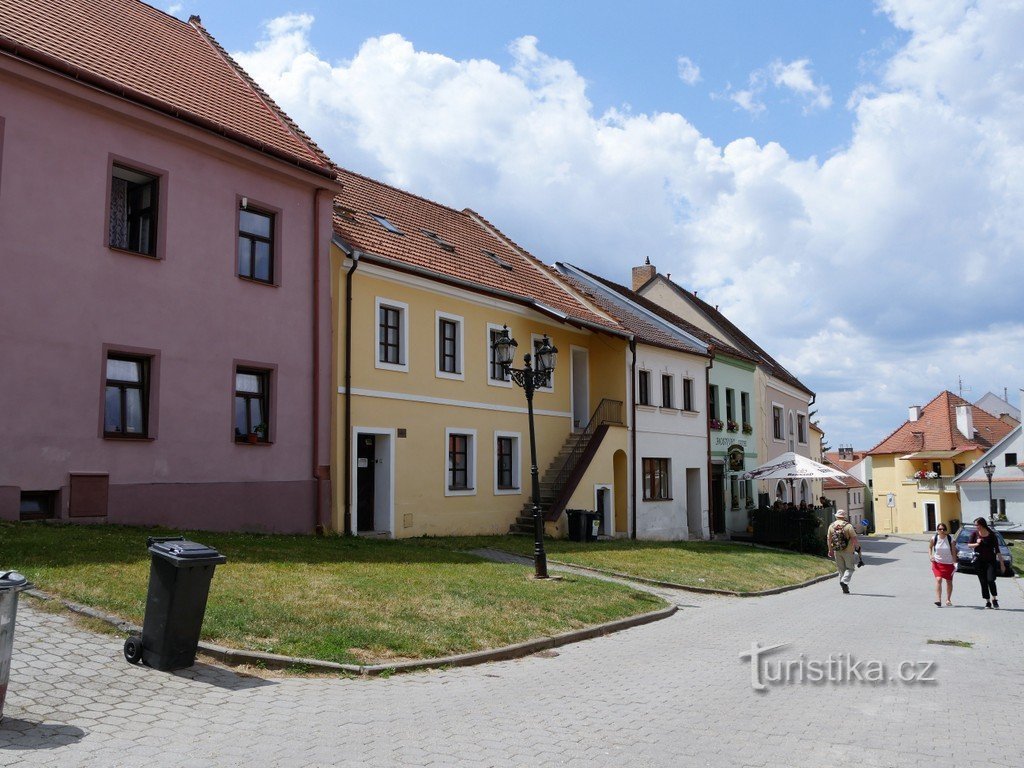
{"points": [[842, 544]]}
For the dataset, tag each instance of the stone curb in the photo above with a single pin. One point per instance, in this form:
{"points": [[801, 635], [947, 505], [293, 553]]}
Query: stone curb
{"points": [[234, 656], [701, 590]]}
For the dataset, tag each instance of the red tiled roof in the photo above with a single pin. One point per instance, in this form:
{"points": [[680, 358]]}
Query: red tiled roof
{"points": [[739, 338], [836, 459], [470, 236], [145, 55], [936, 429], [838, 484]]}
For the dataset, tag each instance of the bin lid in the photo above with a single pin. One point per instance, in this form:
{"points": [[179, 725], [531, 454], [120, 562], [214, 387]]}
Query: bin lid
{"points": [[12, 580], [184, 552]]}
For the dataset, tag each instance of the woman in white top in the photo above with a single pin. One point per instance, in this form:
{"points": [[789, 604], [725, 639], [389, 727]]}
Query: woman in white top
{"points": [[942, 553]]}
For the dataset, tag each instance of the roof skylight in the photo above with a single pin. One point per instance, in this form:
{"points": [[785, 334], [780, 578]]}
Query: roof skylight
{"points": [[387, 224], [444, 244], [497, 259]]}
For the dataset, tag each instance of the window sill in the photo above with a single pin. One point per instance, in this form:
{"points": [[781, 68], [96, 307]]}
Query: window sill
{"points": [[506, 491], [449, 375], [130, 438], [668, 499], [688, 411], [247, 444], [669, 408], [257, 281], [129, 252], [646, 407]]}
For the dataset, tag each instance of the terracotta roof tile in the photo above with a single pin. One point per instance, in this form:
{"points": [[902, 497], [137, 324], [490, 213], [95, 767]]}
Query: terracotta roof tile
{"points": [[478, 252], [845, 482], [936, 429], [136, 51]]}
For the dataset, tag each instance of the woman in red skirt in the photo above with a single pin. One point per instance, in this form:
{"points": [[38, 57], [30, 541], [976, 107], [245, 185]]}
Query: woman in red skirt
{"points": [[942, 553]]}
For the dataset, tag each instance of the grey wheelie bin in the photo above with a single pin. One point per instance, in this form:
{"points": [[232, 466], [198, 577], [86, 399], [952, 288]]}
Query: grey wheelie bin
{"points": [[11, 583], [179, 583]]}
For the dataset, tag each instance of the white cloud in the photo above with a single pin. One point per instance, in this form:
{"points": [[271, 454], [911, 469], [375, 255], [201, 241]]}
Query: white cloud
{"points": [[175, 9], [797, 77], [879, 274], [689, 72]]}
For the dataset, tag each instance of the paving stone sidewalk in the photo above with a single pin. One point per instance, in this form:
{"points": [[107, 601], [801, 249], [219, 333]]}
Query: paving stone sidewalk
{"points": [[672, 693]]}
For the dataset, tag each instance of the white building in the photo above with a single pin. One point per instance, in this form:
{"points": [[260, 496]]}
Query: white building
{"points": [[1007, 484], [668, 414]]}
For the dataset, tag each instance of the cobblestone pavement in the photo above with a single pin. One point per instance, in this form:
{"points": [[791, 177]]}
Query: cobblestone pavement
{"points": [[672, 693]]}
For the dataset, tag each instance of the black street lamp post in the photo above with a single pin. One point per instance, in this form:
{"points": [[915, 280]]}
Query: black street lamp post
{"points": [[529, 377], [990, 468]]}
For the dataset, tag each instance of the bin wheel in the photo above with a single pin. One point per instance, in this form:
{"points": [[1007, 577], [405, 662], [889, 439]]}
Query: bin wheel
{"points": [[133, 649]]}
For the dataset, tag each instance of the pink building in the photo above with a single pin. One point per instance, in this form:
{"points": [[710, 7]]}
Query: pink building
{"points": [[164, 294]]}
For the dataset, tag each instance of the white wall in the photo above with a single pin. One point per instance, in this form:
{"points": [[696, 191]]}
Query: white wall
{"points": [[674, 434], [1007, 482]]}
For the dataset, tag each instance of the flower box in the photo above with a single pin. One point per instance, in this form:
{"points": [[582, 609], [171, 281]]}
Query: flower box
{"points": [[748, 428], [732, 426], [716, 423]]}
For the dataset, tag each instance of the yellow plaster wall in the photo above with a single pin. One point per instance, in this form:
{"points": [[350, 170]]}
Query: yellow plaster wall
{"points": [[890, 473], [420, 459]]}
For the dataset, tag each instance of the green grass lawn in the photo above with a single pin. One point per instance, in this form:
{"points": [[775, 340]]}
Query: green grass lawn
{"points": [[718, 565], [332, 598]]}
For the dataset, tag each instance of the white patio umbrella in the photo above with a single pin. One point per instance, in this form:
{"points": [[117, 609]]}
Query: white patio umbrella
{"points": [[792, 466]]}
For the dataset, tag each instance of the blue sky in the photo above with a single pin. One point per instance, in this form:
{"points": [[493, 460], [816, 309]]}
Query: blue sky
{"points": [[844, 179]]}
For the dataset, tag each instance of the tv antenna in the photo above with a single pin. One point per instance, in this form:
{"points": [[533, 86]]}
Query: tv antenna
{"points": [[960, 383]]}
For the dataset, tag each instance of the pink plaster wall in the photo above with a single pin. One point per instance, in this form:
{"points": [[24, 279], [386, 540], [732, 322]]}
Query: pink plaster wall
{"points": [[64, 294]]}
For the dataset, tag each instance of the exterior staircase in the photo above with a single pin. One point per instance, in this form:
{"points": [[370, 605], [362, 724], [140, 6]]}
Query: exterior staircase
{"points": [[563, 474]]}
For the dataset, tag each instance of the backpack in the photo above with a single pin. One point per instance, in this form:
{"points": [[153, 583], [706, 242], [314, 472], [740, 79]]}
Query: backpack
{"points": [[837, 538]]}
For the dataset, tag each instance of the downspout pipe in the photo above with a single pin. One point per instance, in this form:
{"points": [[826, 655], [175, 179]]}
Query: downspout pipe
{"points": [[318, 478], [707, 431], [347, 437], [632, 434]]}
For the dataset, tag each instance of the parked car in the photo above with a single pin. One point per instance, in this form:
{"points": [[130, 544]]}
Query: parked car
{"points": [[965, 555]]}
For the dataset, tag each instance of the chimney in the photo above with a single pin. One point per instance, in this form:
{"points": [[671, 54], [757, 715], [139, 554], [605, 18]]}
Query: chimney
{"points": [[642, 274], [915, 413], [965, 421]]}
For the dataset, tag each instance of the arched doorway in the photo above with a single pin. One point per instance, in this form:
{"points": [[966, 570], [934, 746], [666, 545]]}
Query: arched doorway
{"points": [[619, 466]]}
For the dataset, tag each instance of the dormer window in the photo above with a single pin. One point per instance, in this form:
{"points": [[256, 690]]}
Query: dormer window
{"points": [[441, 242], [387, 225]]}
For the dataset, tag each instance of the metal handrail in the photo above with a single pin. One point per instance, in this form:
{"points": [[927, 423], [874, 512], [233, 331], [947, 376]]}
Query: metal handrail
{"points": [[607, 412]]}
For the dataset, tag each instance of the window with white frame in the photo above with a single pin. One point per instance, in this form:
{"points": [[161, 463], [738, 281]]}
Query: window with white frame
{"points": [[507, 477], [497, 374], [460, 474], [643, 388], [448, 337], [688, 394], [667, 385], [801, 428], [392, 335], [777, 418]]}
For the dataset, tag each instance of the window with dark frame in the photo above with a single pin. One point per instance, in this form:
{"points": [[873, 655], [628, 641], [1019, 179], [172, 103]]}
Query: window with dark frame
{"points": [[498, 371], [252, 389], [730, 404], [777, 422], [801, 428], [505, 467], [687, 394], [448, 345], [134, 199], [666, 392], [256, 245], [1010, 460], [38, 505], [657, 484], [644, 388], [390, 335], [126, 396], [458, 462], [713, 401], [958, 468], [745, 407]]}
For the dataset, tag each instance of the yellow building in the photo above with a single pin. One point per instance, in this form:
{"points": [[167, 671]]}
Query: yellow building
{"points": [[913, 468], [431, 436]]}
